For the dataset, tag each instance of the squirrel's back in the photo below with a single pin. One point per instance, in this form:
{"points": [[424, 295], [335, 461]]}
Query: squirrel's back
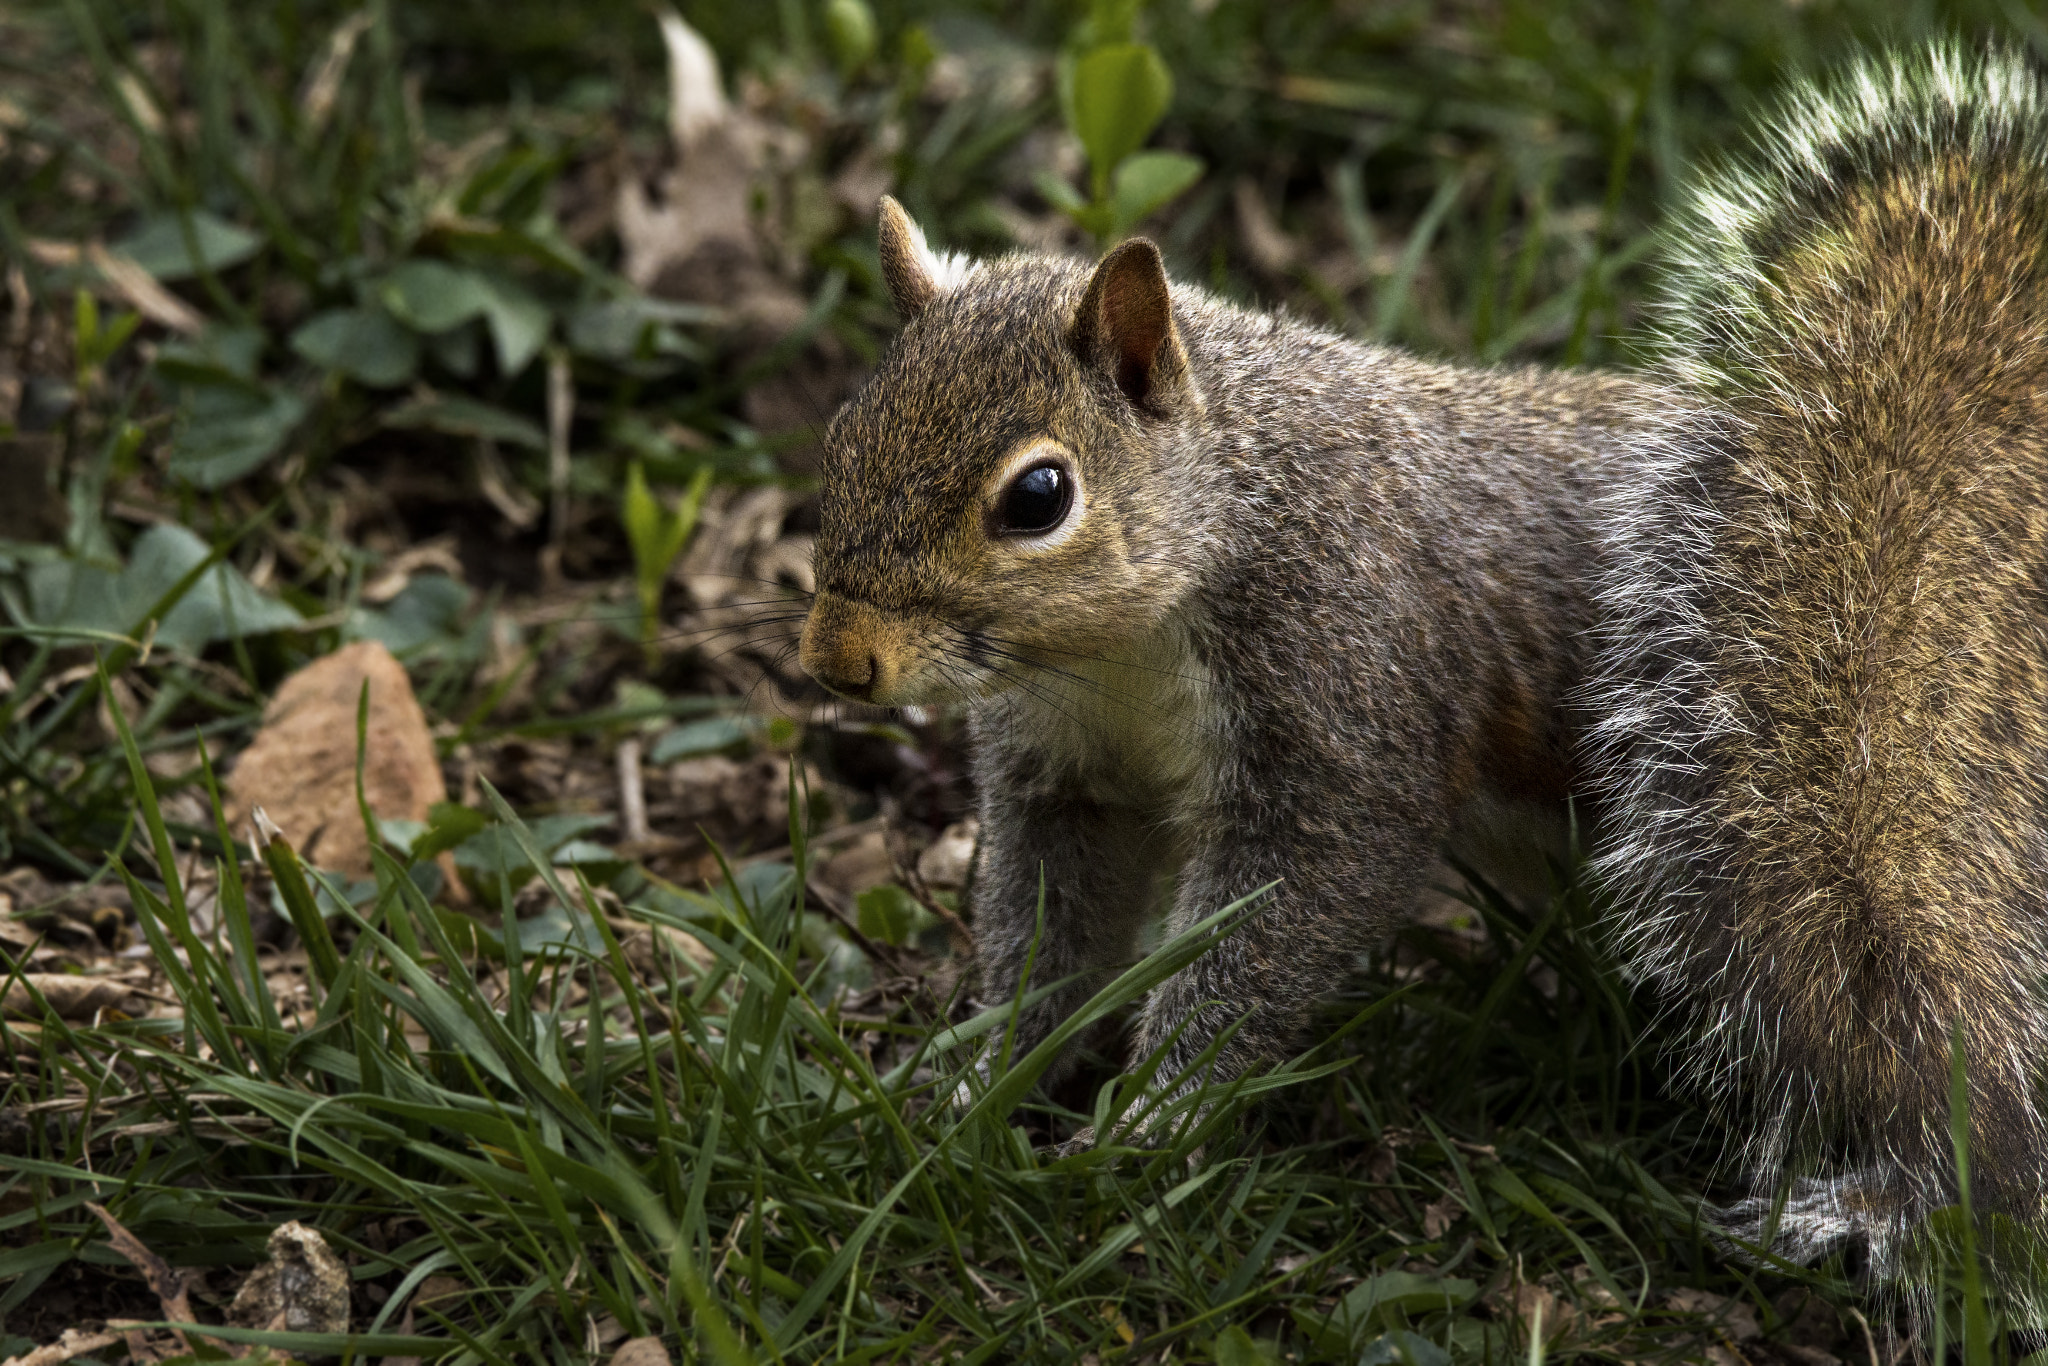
{"points": [[1822, 709]]}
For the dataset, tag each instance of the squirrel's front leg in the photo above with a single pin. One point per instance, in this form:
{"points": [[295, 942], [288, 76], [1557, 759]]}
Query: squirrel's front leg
{"points": [[1095, 863], [1333, 895]]}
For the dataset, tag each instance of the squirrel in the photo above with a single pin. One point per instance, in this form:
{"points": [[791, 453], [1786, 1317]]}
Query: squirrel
{"points": [[1229, 595]]}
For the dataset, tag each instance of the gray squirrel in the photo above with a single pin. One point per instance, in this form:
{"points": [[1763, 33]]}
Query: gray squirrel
{"points": [[1232, 596]]}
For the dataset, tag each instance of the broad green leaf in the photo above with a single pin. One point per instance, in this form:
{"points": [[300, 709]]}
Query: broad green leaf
{"points": [[1120, 94], [73, 595], [712, 735], [1059, 194], [496, 850], [519, 323], [1236, 1347], [459, 350], [433, 296], [227, 430], [888, 913], [427, 612], [223, 353], [160, 247], [620, 330], [1149, 180], [459, 416], [448, 824], [1403, 1348], [1406, 1291], [366, 344]]}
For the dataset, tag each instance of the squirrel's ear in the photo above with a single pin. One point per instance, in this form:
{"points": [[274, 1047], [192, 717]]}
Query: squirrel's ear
{"points": [[914, 273], [1126, 325]]}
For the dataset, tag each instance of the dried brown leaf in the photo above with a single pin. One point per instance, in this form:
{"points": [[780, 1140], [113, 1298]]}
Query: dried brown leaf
{"points": [[73, 997], [301, 767]]}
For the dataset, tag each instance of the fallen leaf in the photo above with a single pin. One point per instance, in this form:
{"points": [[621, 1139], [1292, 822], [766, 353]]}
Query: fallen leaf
{"points": [[301, 767], [73, 997], [302, 1287], [1438, 1216], [1735, 1317]]}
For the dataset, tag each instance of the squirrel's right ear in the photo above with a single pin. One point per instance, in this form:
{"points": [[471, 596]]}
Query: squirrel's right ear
{"points": [[1125, 326], [914, 273]]}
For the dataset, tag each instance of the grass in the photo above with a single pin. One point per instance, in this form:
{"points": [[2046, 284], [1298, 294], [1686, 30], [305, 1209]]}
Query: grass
{"points": [[701, 1113], [701, 1147]]}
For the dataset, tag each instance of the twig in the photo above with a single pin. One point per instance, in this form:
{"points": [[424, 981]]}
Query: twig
{"points": [[632, 793]]}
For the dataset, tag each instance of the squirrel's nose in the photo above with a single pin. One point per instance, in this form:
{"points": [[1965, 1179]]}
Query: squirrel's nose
{"points": [[840, 658], [851, 674]]}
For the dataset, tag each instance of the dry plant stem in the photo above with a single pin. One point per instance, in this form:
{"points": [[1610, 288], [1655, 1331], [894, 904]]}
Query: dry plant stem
{"points": [[632, 793], [164, 1283], [561, 410], [73, 1343]]}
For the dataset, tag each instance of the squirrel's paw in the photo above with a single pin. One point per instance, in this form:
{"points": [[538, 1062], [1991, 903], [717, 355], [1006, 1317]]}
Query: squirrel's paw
{"points": [[1152, 1132], [1081, 1142], [1817, 1216]]}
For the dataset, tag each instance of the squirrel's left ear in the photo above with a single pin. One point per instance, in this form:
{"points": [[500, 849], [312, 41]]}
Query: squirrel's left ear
{"points": [[914, 273], [1125, 325]]}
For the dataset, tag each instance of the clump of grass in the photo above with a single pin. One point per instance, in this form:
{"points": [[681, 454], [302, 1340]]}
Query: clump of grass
{"points": [[525, 1153]]}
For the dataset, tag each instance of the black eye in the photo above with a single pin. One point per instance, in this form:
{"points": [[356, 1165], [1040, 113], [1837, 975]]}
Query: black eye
{"points": [[1036, 500]]}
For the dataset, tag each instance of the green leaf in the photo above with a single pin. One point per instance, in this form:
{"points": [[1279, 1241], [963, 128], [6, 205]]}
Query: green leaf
{"points": [[159, 246], [644, 519], [1403, 1348], [428, 612], [448, 824], [519, 323], [459, 416], [496, 850], [1236, 1347], [713, 735], [73, 595], [223, 353], [888, 913], [850, 29], [366, 344], [622, 330], [230, 429], [1149, 180], [1120, 94], [1406, 1291], [433, 296]]}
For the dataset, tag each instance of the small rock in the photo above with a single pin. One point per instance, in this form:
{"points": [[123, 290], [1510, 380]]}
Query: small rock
{"points": [[302, 1288], [944, 866], [641, 1352]]}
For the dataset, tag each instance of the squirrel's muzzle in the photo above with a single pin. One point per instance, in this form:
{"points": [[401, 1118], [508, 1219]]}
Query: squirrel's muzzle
{"points": [[849, 647]]}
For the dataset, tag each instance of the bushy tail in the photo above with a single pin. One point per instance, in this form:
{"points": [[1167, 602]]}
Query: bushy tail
{"points": [[1823, 701]]}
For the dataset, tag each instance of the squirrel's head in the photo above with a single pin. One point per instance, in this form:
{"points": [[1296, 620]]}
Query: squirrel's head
{"points": [[1011, 490]]}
